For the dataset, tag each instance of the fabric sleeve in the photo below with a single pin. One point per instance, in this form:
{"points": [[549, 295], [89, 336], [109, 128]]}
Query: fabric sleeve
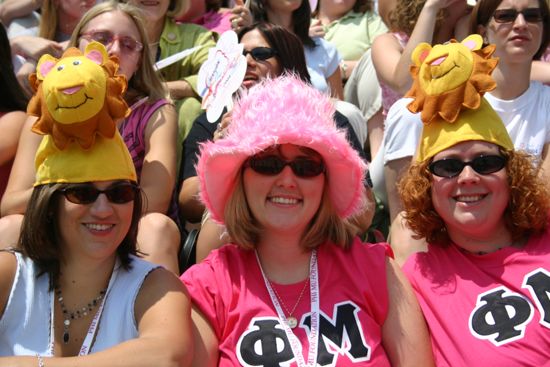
{"points": [[193, 63], [333, 58], [402, 130], [201, 131], [206, 291], [343, 123], [375, 27]]}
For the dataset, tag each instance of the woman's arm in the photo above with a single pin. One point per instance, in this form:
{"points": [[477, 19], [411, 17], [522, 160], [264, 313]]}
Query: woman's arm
{"points": [[19, 188], [11, 125], [540, 71], [404, 334], [163, 316], [335, 83], [158, 175], [205, 341], [11, 9], [392, 61], [8, 267]]}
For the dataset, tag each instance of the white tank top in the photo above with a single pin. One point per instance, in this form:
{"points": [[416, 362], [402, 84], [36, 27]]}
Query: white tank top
{"points": [[25, 325]]}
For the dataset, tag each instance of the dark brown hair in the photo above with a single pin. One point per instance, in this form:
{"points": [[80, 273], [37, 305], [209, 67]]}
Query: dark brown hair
{"points": [[12, 97], [301, 18], [484, 9], [40, 234], [289, 48]]}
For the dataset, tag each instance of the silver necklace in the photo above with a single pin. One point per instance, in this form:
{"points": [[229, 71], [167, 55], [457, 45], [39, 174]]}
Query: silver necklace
{"points": [[291, 320], [69, 316]]}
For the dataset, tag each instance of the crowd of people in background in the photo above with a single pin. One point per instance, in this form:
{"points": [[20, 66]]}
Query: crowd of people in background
{"points": [[402, 240]]}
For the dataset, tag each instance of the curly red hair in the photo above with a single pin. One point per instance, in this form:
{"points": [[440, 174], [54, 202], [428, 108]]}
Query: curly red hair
{"points": [[527, 211]]}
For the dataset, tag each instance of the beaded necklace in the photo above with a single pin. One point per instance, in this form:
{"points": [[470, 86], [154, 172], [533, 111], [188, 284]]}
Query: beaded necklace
{"points": [[81, 312]]}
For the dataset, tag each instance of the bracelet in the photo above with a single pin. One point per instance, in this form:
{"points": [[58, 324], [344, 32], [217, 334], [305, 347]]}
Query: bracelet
{"points": [[40, 360]]}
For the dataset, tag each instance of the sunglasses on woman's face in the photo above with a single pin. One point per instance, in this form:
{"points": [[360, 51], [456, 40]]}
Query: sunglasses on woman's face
{"points": [[126, 43], [260, 53], [120, 193], [531, 15], [452, 167], [272, 165]]}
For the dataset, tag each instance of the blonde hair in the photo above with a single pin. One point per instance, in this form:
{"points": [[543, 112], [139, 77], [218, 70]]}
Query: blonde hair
{"points": [[48, 20], [326, 224], [145, 81]]}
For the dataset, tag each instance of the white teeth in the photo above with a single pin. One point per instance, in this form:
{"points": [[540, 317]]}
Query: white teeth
{"points": [[98, 227], [469, 198], [286, 201]]}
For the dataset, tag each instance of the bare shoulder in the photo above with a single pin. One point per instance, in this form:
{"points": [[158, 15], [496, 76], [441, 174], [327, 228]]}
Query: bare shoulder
{"points": [[161, 280], [160, 289], [16, 116], [8, 267]]}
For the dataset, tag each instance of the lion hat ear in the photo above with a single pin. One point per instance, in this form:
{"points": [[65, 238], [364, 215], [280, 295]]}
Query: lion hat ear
{"points": [[96, 52], [449, 81]]}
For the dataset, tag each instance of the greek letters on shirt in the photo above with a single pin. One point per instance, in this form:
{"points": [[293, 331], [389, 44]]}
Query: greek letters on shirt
{"points": [[264, 343], [502, 315]]}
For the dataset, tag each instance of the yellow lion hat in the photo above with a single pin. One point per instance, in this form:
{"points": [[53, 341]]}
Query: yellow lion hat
{"points": [[449, 81], [78, 96], [79, 99]]}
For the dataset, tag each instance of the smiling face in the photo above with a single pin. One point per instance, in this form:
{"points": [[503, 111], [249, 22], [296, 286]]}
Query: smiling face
{"points": [[74, 8], [153, 10], [257, 70], [283, 6], [94, 230], [120, 25], [337, 6], [471, 204], [517, 41], [284, 203]]}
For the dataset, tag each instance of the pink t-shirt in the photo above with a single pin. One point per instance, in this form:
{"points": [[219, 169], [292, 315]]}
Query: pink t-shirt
{"points": [[229, 289], [486, 310]]}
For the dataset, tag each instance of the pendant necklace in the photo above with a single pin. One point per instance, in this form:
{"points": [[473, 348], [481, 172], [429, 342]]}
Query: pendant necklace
{"points": [[69, 316], [290, 319], [313, 335]]}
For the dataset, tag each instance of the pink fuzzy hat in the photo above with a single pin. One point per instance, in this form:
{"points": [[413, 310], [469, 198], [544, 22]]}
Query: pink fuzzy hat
{"points": [[277, 111]]}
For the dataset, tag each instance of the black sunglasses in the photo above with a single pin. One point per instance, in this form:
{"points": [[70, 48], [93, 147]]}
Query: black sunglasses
{"points": [[120, 193], [452, 167], [260, 53], [531, 15], [271, 165]]}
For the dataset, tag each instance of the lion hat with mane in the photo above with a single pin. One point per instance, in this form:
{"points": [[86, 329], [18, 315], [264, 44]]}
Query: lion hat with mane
{"points": [[78, 101], [78, 96], [449, 81]]}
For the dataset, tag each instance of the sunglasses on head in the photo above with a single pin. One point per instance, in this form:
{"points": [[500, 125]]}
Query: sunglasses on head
{"points": [[120, 193], [271, 165], [260, 53], [531, 15], [107, 38], [452, 167]]}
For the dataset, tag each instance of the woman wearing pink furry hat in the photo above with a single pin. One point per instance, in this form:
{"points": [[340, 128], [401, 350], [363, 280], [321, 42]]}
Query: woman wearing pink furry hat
{"points": [[296, 287]]}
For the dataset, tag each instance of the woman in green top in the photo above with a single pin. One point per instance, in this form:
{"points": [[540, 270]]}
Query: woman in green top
{"points": [[166, 38]]}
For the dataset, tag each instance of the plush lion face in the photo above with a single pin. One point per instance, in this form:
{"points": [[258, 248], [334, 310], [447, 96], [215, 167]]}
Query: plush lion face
{"points": [[450, 76], [78, 96], [444, 67], [74, 87]]}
